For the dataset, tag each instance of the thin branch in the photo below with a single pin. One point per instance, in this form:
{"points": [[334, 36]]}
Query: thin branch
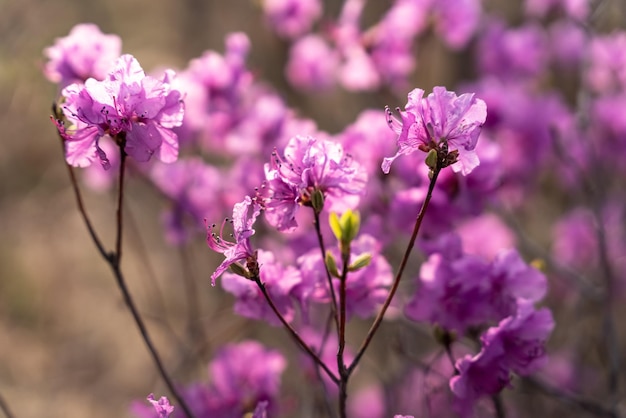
{"points": [[344, 376], [572, 399], [294, 334], [120, 209], [4, 407], [333, 296], [113, 260], [396, 282], [498, 406]]}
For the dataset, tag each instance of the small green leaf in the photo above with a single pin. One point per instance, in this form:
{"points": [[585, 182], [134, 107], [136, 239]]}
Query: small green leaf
{"points": [[331, 264], [239, 270], [317, 200], [335, 225], [361, 261]]}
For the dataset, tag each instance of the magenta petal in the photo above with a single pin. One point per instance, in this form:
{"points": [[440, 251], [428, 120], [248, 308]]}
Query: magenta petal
{"points": [[169, 147], [80, 149], [142, 141]]}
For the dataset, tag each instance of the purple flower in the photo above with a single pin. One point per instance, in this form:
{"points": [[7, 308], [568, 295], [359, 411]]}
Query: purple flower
{"points": [[607, 63], [452, 293], [458, 291], [574, 9], [456, 20], [242, 375], [193, 188], [309, 165], [442, 119], [138, 111], [240, 250], [291, 18], [279, 282], [261, 410], [84, 53], [162, 406], [513, 53], [516, 345], [247, 371], [215, 86], [312, 64], [366, 288], [485, 236]]}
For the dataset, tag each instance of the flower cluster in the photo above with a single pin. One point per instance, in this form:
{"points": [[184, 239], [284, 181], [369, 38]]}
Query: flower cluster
{"points": [[138, 111], [555, 91], [309, 165]]}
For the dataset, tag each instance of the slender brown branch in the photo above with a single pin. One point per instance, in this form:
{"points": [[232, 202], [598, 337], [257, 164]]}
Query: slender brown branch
{"points": [[81, 209], [294, 334], [4, 407], [572, 399], [498, 406], [610, 335], [344, 376], [333, 296], [396, 281], [120, 209], [113, 260]]}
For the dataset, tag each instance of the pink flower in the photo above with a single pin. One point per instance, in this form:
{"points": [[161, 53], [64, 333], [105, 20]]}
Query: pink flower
{"points": [[516, 345], [162, 406], [309, 165], [312, 64], [84, 53], [291, 18], [442, 120], [138, 111], [279, 282], [242, 231]]}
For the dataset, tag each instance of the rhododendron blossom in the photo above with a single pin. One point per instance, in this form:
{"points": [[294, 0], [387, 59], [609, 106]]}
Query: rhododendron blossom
{"points": [[441, 120], [309, 165], [138, 111], [84, 53], [240, 250]]}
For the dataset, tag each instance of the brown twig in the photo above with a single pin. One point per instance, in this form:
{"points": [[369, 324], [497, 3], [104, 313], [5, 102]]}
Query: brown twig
{"points": [[396, 282]]}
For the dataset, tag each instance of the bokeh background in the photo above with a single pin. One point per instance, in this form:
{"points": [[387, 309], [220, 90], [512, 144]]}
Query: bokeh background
{"points": [[68, 347]]}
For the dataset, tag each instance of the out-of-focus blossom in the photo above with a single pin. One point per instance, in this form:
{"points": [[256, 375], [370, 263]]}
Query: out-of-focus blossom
{"points": [[460, 291], [326, 347], [261, 410], [246, 373], [486, 236], [573, 9], [567, 43], [245, 378], [215, 86], [442, 119], [193, 188], [162, 407], [513, 53], [606, 72], [138, 110], [279, 282], [312, 64], [576, 238], [391, 40], [456, 20], [84, 53], [367, 403], [309, 165], [291, 18], [516, 345], [366, 288], [240, 250]]}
